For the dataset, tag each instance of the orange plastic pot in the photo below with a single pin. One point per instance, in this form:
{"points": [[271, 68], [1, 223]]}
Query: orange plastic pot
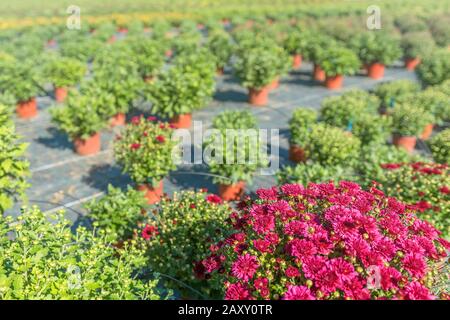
{"points": [[296, 61], [219, 71], [375, 70], [169, 53], [231, 192], [407, 143], [152, 194], [85, 147], [275, 84], [411, 63], [118, 120], [60, 94], [427, 131], [259, 97], [181, 121], [334, 82], [318, 73], [112, 39], [297, 153], [27, 109]]}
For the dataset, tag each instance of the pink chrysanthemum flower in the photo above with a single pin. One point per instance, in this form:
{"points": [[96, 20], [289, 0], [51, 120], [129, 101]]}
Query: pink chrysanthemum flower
{"points": [[245, 267]]}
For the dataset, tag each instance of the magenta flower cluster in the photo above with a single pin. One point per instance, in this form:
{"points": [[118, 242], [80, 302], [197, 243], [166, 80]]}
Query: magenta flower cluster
{"points": [[326, 242]]}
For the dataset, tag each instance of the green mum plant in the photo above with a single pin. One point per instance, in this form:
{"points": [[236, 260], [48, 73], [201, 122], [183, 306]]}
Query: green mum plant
{"points": [[440, 146], [46, 261], [339, 61], [390, 92], [118, 213], [408, 121], [236, 150], [181, 232], [417, 44], [220, 45], [81, 117], [317, 46], [105, 31], [376, 47], [20, 79], [342, 111], [186, 43], [435, 68], [145, 150], [14, 170], [296, 41], [372, 128], [409, 23], [148, 54], [305, 173], [331, 146], [444, 87], [80, 48], [183, 88], [300, 124], [423, 185], [64, 72], [439, 29]]}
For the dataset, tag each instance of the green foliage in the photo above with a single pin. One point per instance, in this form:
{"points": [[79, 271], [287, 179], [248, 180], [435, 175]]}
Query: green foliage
{"points": [[376, 47], [318, 44], [410, 23], [440, 146], [220, 45], [439, 29], [235, 148], [145, 151], [371, 128], [19, 79], [417, 44], [148, 54], [118, 213], [432, 101], [186, 227], [297, 41], [434, 68], [13, 168], [390, 92], [342, 111], [409, 120], [45, 261], [81, 48], [300, 124], [186, 43], [331, 146], [64, 72], [338, 61], [305, 173], [81, 116]]}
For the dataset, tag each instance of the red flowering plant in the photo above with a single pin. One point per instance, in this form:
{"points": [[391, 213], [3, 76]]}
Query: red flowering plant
{"points": [[426, 186], [328, 241], [179, 235], [145, 150]]}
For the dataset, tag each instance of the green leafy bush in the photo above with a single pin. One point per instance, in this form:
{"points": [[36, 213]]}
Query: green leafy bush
{"points": [[148, 54], [186, 43], [179, 236], [118, 213], [81, 116], [317, 46], [376, 47], [440, 146], [64, 72], [300, 124], [431, 100], [20, 79], [296, 41], [410, 23], [439, 29], [220, 45], [371, 128], [435, 68], [424, 185], [46, 261], [305, 173], [13, 168], [390, 92], [417, 44], [145, 151], [81, 48], [236, 150], [409, 121], [331, 146], [339, 61]]}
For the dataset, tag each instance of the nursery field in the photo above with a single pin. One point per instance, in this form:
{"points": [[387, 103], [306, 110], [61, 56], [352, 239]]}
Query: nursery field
{"points": [[237, 150]]}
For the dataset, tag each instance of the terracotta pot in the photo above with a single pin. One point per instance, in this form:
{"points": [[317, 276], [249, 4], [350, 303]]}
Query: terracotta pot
{"points": [[51, 42], [123, 30], [169, 53], [408, 143], [296, 153], [318, 73], [259, 97], [152, 194], [27, 109], [231, 192], [296, 61], [411, 63], [427, 131], [334, 82], [182, 121], [275, 84], [149, 79], [112, 39], [88, 146], [375, 70], [60, 94], [219, 71], [118, 120]]}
